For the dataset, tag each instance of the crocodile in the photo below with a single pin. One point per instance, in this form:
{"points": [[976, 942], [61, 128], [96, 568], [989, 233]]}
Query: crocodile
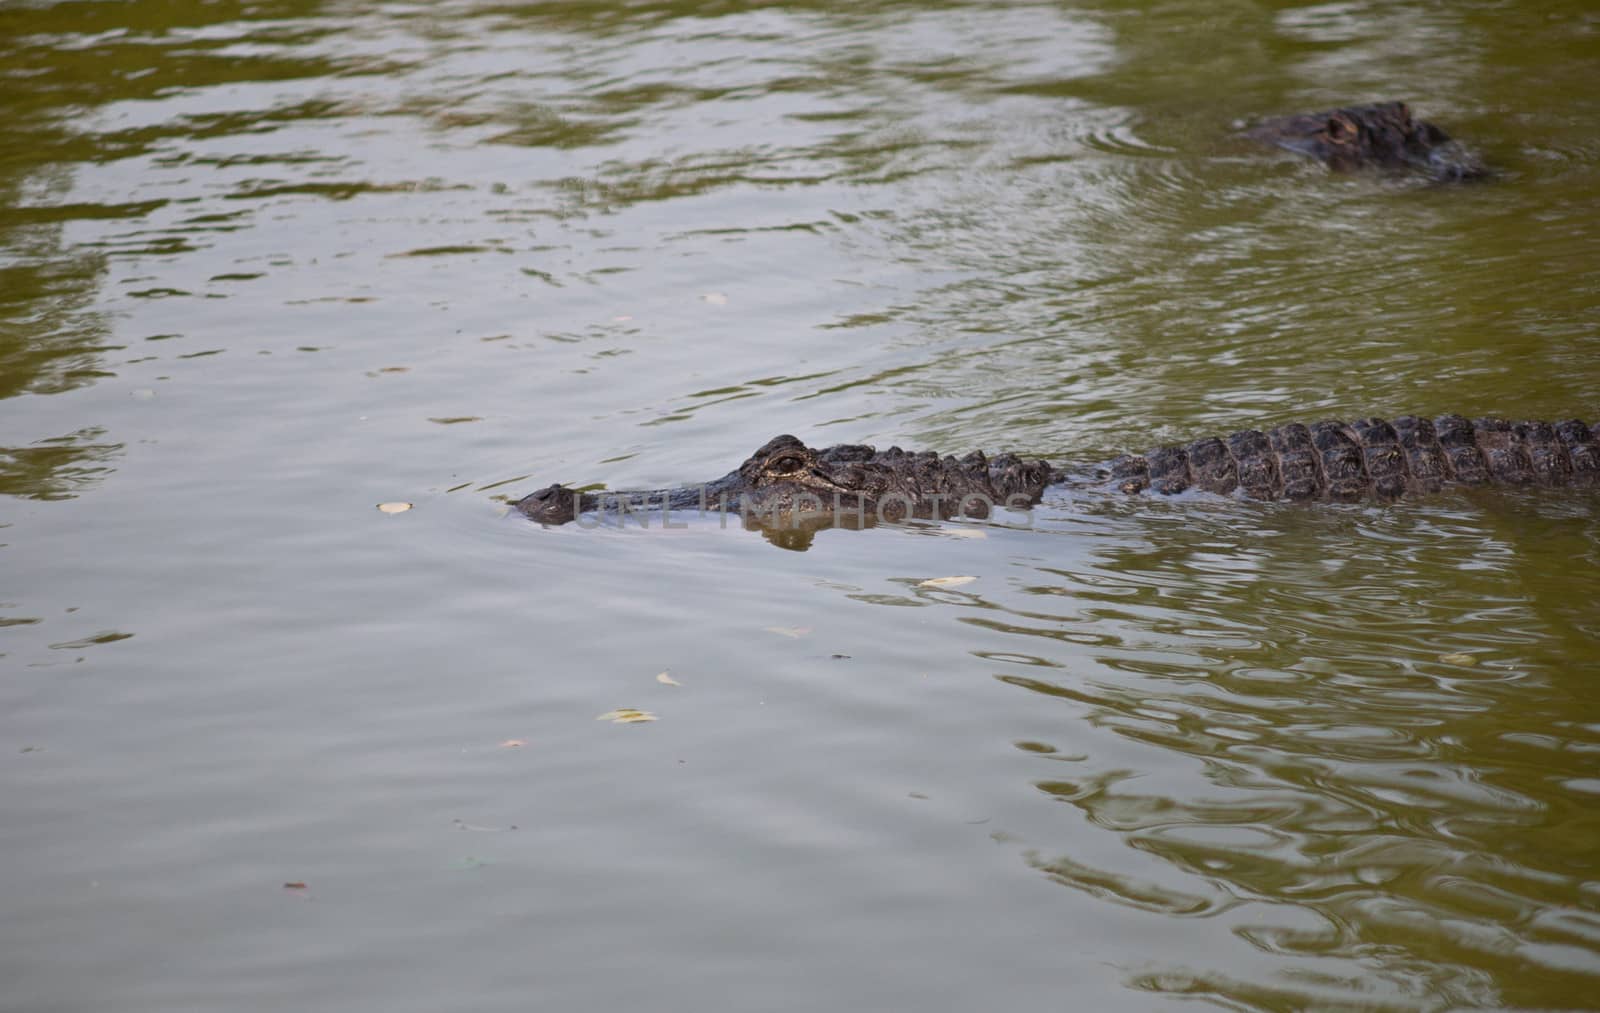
{"points": [[1369, 459], [1381, 135]]}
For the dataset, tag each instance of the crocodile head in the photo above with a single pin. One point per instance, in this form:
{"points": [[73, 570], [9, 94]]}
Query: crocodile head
{"points": [[554, 504], [850, 483], [1381, 135]]}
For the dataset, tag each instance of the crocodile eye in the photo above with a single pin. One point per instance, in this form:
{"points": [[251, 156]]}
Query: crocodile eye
{"points": [[1340, 129], [788, 464]]}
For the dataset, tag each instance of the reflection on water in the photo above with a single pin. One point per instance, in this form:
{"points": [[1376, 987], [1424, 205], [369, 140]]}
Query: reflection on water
{"points": [[60, 237], [1381, 766], [55, 468], [263, 265]]}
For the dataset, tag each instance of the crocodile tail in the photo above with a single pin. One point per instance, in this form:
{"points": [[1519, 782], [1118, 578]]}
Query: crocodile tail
{"points": [[1370, 459]]}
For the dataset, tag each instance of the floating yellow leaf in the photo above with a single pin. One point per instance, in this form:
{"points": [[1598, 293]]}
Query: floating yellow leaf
{"points": [[394, 508], [947, 581], [789, 631], [626, 716], [667, 680], [1459, 659]]}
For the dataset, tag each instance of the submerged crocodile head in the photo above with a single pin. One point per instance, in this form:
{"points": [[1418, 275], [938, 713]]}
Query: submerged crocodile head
{"points": [[785, 480], [1381, 135]]}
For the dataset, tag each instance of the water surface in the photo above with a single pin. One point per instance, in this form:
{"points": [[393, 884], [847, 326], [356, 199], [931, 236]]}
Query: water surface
{"points": [[265, 265]]}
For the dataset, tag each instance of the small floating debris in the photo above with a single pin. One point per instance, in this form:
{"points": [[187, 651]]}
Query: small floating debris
{"points": [[479, 828], [946, 581], [667, 680], [294, 885], [715, 298], [626, 716], [795, 632], [513, 743], [394, 508], [1459, 659]]}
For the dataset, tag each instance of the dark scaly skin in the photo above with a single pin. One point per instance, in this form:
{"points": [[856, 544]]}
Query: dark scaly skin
{"points": [[785, 477], [1381, 135], [1371, 459], [1368, 459]]}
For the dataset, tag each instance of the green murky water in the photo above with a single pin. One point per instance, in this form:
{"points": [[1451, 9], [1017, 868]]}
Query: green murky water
{"points": [[265, 265]]}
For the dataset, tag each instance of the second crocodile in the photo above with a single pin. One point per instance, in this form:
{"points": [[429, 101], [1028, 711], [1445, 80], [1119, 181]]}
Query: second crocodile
{"points": [[1381, 135]]}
